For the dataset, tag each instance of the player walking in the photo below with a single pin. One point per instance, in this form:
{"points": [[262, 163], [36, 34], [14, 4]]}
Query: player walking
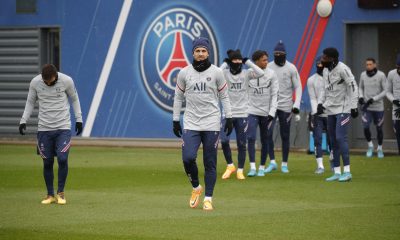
{"points": [[393, 94]]}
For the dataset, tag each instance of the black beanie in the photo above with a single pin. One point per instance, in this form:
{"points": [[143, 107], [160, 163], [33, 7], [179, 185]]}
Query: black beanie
{"points": [[234, 54], [331, 52]]}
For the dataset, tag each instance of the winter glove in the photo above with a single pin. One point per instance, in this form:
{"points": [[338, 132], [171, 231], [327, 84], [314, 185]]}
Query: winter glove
{"points": [[361, 101], [177, 128], [228, 126], [270, 118], [22, 128], [244, 60], [78, 128], [227, 61], [396, 102], [354, 112], [295, 110], [370, 101], [397, 113], [320, 109]]}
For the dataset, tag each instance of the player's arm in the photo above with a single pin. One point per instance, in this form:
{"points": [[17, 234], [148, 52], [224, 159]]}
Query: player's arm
{"points": [[179, 96], [383, 87], [389, 88], [274, 95], [222, 87], [352, 86], [257, 71], [361, 88], [73, 95], [313, 96], [322, 95], [297, 87], [29, 106], [223, 66]]}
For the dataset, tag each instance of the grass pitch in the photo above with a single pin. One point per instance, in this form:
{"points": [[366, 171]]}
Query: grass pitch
{"points": [[139, 193]]}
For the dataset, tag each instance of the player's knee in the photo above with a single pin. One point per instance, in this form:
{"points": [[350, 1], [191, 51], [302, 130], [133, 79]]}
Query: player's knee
{"points": [[225, 143]]}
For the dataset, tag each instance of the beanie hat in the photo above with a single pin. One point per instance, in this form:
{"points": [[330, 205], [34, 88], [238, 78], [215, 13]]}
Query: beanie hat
{"points": [[331, 52], [201, 42], [234, 54], [280, 47]]}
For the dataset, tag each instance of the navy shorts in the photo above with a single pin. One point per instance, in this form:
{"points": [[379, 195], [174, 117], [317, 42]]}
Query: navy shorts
{"points": [[53, 143]]}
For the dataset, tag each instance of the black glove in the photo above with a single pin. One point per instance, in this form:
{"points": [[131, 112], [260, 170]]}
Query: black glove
{"points": [[354, 112], [396, 102], [227, 61], [370, 101], [22, 128], [361, 101], [397, 113], [244, 60], [78, 128], [177, 128], [320, 109], [295, 110], [270, 118], [228, 126]]}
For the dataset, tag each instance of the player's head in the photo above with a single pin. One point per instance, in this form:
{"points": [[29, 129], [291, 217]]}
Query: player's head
{"points": [[280, 53], [235, 61], [49, 74], [201, 47], [319, 66], [370, 64], [330, 57], [260, 58]]}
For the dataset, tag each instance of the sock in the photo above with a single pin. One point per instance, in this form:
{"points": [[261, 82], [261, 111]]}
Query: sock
{"points": [[320, 163], [273, 161], [337, 170], [261, 167], [284, 164], [231, 165], [379, 147], [346, 168], [208, 199], [253, 165], [240, 170], [370, 144], [197, 188]]}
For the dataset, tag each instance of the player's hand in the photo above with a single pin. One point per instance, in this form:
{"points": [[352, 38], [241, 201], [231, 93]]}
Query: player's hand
{"points": [[227, 61], [22, 128], [244, 60], [320, 109], [177, 128], [361, 101], [228, 126], [370, 101], [354, 112], [270, 118], [295, 110], [78, 128], [397, 113], [396, 102]]}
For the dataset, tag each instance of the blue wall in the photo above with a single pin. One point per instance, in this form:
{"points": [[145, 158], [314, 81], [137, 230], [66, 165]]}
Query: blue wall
{"points": [[127, 109]]}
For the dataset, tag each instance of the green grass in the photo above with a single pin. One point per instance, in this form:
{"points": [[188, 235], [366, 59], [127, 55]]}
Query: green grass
{"points": [[135, 193]]}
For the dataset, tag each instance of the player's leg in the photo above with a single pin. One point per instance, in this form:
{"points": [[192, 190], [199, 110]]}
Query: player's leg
{"points": [[332, 119], [270, 145], [209, 140], [317, 133], [227, 151], [396, 128], [63, 144], [378, 117], [251, 143], [263, 123], [342, 124], [328, 141], [284, 128], [366, 121], [190, 146], [241, 127], [45, 149]]}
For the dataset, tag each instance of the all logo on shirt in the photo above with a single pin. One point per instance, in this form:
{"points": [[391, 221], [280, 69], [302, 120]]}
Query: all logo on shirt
{"points": [[167, 48]]}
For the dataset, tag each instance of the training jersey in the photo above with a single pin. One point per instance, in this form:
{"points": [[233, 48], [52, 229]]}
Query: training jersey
{"points": [[373, 87], [202, 92], [263, 94], [340, 92], [393, 89], [289, 81], [54, 108], [315, 85], [237, 87]]}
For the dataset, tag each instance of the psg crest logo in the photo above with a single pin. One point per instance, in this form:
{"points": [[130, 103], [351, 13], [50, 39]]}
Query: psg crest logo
{"points": [[167, 48]]}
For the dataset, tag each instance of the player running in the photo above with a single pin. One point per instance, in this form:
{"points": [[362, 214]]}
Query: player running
{"points": [[315, 85], [52, 89], [263, 95], [371, 92], [338, 99], [393, 94], [289, 82], [202, 85], [237, 79]]}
